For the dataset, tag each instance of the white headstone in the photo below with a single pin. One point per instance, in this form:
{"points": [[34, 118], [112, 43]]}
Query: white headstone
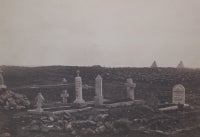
{"points": [[39, 102], [98, 91], [178, 94], [2, 85], [130, 88], [78, 89]]}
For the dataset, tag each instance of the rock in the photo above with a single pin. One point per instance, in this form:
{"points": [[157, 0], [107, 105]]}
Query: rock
{"points": [[102, 117], [69, 127], [1, 101], [90, 131], [122, 124], [109, 125], [86, 131], [44, 128], [34, 128], [20, 107], [66, 116], [57, 128], [13, 100], [33, 122], [73, 132], [51, 119], [83, 123], [19, 96], [99, 123], [5, 135], [100, 129]]}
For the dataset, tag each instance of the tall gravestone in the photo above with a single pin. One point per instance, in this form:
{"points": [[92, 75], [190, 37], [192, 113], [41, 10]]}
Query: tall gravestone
{"points": [[98, 99], [39, 102], [2, 85], [178, 94], [78, 90], [130, 88]]}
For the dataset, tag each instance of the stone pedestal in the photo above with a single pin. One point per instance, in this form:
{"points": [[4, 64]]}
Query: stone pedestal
{"points": [[98, 99], [130, 88], [78, 90]]}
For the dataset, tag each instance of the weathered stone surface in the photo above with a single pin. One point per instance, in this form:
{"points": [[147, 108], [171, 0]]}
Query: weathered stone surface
{"points": [[34, 128], [5, 135], [2, 86], [39, 102], [11, 100], [100, 129], [130, 89], [98, 100], [78, 89], [64, 96], [178, 94]]}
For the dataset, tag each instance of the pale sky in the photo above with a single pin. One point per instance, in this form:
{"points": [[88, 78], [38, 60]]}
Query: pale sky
{"points": [[100, 32]]}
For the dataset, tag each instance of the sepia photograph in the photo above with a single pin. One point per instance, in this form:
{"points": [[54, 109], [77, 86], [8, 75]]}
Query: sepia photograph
{"points": [[99, 68]]}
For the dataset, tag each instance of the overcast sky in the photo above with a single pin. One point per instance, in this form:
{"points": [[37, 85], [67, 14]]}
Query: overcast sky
{"points": [[100, 32]]}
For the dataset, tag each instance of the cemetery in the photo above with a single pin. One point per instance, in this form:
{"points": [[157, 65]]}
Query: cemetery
{"points": [[97, 101]]}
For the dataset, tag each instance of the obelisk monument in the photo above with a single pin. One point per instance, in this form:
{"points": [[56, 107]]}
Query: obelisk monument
{"points": [[78, 90], [98, 99], [2, 85]]}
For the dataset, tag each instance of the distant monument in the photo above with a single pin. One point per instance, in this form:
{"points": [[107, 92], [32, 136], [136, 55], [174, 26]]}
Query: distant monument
{"points": [[178, 94], [98, 99], [154, 65], [180, 65], [78, 90], [39, 102], [130, 88], [2, 85], [64, 96]]}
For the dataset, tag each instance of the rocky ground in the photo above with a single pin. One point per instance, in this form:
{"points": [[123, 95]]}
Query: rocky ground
{"points": [[130, 121], [10, 100], [126, 121]]}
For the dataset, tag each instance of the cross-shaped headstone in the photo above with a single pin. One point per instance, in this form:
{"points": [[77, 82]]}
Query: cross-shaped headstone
{"points": [[64, 97]]}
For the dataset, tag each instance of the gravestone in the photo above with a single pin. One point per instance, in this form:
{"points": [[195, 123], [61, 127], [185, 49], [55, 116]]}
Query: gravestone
{"points": [[178, 94], [98, 99], [39, 102], [64, 96], [130, 88], [2, 85], [78, 90]]}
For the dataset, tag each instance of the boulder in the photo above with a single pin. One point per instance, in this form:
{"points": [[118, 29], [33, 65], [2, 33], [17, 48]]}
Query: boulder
{"points": [[5, 135], [100, 129], [34, 128]]}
